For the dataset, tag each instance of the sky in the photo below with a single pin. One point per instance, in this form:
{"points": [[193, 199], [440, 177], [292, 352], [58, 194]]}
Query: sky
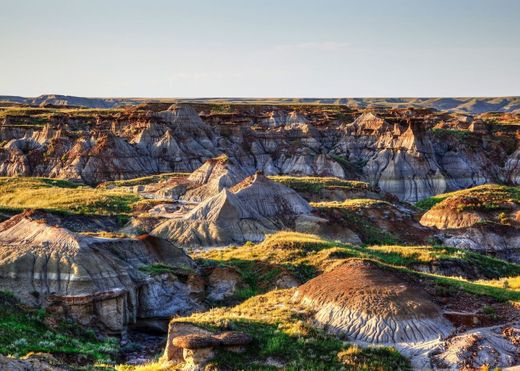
{"points": [[254, 48]]}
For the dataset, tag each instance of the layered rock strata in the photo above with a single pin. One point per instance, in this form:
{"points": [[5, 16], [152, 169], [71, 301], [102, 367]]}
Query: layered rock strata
{"points": [[98, 281], [396, 150]]}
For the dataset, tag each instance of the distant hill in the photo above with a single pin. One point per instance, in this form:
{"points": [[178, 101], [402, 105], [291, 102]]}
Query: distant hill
{"points": [[470, 105]]}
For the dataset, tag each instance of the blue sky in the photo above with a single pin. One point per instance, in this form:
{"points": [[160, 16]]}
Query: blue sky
{"points": [[253, 48]]}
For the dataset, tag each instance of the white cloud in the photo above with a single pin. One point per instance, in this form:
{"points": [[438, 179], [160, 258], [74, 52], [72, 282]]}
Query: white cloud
{"points": [[315, 45]]}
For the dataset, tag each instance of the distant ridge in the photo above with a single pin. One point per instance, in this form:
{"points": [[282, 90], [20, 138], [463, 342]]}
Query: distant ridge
{"points": [[469, 105]]}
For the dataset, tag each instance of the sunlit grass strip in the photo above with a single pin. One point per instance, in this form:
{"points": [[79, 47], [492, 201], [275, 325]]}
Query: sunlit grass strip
{"points": [[142, 180], [60, 196], [303, 251], [316, 184]]}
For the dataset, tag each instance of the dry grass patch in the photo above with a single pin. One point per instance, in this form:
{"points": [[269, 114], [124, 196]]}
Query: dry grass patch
{"points": [[142, 180]]}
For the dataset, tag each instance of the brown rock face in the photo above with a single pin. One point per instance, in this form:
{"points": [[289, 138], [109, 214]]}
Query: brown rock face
{"points": [[98, 281], [395, 150]]}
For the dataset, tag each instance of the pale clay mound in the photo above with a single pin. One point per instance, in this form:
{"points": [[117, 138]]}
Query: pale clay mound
{"points": [[220, 220], [213, 176], [95, 280], [270, 199], [247, 212], [373, 305]]}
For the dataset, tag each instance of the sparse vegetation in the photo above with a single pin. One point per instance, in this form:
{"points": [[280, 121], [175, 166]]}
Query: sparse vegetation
{"points": [[24, 330], [316, 184], [158, 268], [458, 134], [281, 333], [353, 217], [488, 197], [142, 181], [305, 256]]}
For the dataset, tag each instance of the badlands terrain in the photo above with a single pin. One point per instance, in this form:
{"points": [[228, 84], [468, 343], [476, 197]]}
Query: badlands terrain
{"points": [[259, 234]]}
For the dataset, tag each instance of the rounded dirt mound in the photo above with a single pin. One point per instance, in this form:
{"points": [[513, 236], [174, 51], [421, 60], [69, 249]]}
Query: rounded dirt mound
{"points": [[373, 304]]}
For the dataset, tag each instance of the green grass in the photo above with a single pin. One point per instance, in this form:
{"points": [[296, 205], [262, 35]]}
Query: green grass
{"points": [[142, 181], [353, 218], [410, 255], [24, 330], [316, 184], [488, 197], [305, 256], [159, 268], [282, 333], [460, 135], [429, 202], [60, 196]]}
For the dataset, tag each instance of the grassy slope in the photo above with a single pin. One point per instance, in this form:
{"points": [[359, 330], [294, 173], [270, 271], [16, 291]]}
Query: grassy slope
{"points": [[24, 330], [307, 255], [142, 181], [316, 184], [484, 197], [63, 197], [281, 333], [351, 213]]}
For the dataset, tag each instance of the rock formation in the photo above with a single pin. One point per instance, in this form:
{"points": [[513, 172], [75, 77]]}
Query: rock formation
{"points": [[270, 199], [245, 212], [373, 305], [199, 349], [219, 220], [98, 281], [483, 219], [398, 151], [492, 347], [213, 176]]}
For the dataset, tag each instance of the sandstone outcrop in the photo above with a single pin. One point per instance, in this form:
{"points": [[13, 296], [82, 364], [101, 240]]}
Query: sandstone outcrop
{"points": [[98, 281], [198, 350]]}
